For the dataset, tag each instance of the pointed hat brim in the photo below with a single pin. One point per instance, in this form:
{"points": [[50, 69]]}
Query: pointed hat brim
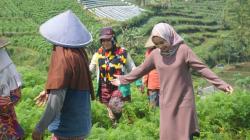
{"points": [[149, 43], [66, 30], [3, 42]]}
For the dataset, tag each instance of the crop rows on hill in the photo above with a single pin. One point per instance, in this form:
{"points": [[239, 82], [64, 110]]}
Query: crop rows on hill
{"points": [[197, 22]]}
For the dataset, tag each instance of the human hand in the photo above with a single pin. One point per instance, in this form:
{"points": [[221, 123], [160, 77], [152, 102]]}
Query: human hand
{"points": [[37, 135], [141, 88], [41, 99], [116, 81], [229, 89], [139, 84], [5, 100], [145, 83]]}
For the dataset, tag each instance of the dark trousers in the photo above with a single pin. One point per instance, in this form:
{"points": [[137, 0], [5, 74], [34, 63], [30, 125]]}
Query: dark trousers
{"points": [[191, 137]]}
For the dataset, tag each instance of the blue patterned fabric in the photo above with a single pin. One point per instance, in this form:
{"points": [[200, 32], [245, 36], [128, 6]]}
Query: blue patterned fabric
{"points": [[75, 116]]}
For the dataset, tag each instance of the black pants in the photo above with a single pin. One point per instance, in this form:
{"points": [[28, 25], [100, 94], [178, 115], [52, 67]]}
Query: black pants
{"points": [[191, 137]]}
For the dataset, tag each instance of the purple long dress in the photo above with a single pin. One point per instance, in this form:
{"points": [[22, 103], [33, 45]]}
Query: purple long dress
{"points": [[178, 118]]}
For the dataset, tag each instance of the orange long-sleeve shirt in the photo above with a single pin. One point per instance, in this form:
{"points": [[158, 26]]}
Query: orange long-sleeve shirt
{"points": [[151, 80]]}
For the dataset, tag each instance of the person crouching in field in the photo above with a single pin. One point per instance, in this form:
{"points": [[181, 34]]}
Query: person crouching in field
{"points": [[10, 93], [69, 86], [173, 60], [151, 80]]}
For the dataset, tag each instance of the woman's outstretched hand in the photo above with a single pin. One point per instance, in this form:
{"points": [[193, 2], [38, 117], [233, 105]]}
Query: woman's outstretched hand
{"points": [[229, 89], [116, 81], [41, 99]]}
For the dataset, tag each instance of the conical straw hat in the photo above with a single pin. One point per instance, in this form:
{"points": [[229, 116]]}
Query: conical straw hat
{"points": [[66, 30]]}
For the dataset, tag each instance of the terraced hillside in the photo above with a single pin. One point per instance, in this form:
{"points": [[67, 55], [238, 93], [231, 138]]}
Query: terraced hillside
{"points": [[19, 22], [199, 23]]}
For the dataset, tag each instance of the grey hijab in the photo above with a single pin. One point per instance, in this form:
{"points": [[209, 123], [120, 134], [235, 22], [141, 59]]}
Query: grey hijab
{"points": [[4, 59], [9, 77]]}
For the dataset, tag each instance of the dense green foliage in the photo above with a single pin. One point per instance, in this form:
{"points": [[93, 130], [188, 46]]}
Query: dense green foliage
{"points": [[219, 27], [224, 116], [20, 21], [216, 30]]}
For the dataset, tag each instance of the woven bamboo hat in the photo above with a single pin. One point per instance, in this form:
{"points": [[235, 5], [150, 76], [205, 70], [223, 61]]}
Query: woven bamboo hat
{"points": [[66, 30], [149, 43], [3, 42]]}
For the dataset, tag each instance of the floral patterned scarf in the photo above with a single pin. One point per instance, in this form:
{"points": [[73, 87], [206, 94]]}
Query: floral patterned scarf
{"points": [[111, 63]]}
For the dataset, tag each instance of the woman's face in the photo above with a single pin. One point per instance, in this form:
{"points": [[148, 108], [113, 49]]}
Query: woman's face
{"points": [[107, 43], [161, 43]]}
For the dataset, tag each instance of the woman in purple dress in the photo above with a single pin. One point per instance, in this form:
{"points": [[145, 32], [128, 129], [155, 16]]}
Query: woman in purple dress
{"points": [[173, 59]]}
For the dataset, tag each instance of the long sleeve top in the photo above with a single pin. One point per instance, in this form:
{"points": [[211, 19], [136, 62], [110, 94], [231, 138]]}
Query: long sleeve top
{"points": [[53, 108], [178, 118]]}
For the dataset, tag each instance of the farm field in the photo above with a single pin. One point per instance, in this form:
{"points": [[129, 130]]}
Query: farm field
{"points": [[203, 25]]}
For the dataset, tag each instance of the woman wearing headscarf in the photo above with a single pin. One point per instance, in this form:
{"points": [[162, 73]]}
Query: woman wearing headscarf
{"points": [[173, 60], [69, 86], [10, 93], [111, 59]]}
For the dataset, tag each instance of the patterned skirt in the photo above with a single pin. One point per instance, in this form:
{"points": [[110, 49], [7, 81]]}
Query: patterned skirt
{"points": [[9, 127]]}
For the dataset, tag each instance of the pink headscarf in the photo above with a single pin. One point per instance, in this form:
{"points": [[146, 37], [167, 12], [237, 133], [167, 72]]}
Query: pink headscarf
{"points": [[166, 32]]}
